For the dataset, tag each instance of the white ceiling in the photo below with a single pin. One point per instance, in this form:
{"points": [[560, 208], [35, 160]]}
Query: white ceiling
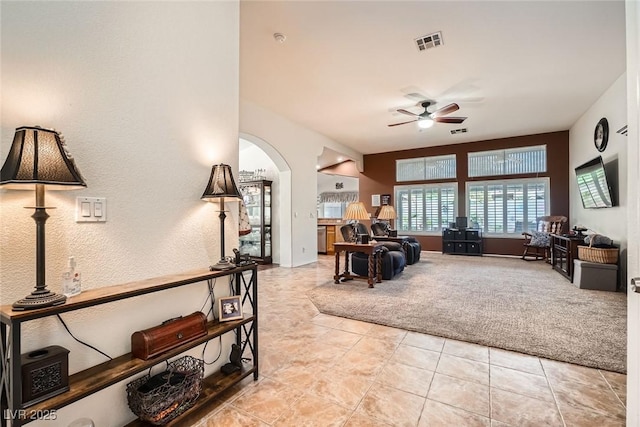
{"points": [[514, 68]]}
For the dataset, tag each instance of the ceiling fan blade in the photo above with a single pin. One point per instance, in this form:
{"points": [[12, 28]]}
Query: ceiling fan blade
{"points": [[403, 111], [449, 119], [445, 110], [403, 123]]}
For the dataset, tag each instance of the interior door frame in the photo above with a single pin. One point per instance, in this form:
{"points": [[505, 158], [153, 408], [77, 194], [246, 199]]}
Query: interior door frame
{"points": [[632, 12]]}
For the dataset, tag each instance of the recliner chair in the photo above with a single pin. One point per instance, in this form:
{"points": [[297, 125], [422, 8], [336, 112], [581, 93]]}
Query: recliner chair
{"points": [[393, 256], [411, 245]]}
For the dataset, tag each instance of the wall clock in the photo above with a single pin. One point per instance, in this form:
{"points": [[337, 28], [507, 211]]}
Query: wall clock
{"points": [[601, 134]]}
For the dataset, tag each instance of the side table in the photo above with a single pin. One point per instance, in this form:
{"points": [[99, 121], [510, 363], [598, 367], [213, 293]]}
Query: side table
{"points": [[373, 250], [564, 250]]}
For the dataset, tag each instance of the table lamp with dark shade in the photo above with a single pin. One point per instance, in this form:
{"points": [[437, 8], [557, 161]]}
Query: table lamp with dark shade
{"points": [[388, 213], [356, 211], [39, 157], [221, 188]]}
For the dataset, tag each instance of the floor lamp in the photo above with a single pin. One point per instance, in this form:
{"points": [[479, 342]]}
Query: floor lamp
{"points": [[221, 188], [38, 158], [356, 211]]}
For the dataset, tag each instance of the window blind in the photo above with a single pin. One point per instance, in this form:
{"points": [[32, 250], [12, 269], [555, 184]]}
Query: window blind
{"points": [[508, 206], [426, 207], [511, 161], [426, 168]]}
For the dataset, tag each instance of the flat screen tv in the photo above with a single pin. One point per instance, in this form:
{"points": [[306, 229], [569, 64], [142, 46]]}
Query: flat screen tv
{"points": [[593, 186]]}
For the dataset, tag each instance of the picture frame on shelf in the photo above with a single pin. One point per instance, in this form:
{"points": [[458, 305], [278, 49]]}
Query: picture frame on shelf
{"points": [[230, 308]]}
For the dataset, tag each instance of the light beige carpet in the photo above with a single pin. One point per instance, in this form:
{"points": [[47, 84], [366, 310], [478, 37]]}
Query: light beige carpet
{"points": [[499, 302]]}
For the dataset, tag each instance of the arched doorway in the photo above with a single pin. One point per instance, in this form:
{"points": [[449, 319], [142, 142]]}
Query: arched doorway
{"points": [[255, 153]]}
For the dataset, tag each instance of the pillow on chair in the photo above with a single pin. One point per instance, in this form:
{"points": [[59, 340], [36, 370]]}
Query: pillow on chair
{"points": [[540, 239]]}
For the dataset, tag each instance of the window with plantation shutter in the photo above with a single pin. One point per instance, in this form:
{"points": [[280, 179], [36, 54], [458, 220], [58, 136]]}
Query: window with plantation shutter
{"points": [[425, 208], [508, 206], [426, 168], [511, 161]]}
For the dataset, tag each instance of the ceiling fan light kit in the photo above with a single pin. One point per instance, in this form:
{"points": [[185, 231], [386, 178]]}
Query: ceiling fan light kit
{"points": [[425, 123], [426, 119]]}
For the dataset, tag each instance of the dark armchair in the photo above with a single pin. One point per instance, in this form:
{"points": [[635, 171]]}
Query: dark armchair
{"points": [[393, 257], [410, 244], [380, 229]]}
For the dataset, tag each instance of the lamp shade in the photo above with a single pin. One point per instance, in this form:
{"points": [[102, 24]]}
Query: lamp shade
{"points": [[39, 156], [357, 211], [221, 184], [387, 212]]}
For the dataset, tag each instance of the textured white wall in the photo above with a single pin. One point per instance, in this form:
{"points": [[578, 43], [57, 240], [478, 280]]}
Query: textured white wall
{"points": [[146, 94], [300, 147], [611, 222]]}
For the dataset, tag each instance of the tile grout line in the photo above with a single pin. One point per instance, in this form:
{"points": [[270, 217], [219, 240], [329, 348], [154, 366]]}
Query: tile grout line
{"points": [[553, 393], [426, 397], [371, 384], [361, 335], [490, 392], [612, 389]]}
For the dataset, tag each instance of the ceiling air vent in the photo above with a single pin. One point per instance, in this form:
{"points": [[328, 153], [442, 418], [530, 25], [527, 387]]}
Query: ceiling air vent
{"points": [[457, 131], [622, 130], [429, 41]]}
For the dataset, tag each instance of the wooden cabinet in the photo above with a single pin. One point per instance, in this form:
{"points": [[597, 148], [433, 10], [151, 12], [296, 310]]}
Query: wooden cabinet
{"points": [[257, 199], [96, 378], [331, 239], [462, 242], [563, 251], [331, 233]]}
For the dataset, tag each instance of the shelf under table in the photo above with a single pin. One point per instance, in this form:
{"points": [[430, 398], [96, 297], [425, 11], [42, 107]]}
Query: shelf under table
{"points": [[98, 377]]}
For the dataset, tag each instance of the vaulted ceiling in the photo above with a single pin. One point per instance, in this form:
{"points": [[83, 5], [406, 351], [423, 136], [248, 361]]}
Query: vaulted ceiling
{"points": [[513, 67]]}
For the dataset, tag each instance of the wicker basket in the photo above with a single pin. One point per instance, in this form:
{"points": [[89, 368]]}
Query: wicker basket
{"points": [[598, 255], [160, 398]]}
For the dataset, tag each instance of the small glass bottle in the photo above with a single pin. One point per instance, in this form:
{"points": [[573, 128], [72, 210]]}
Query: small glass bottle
{"points": [[71, 284]]}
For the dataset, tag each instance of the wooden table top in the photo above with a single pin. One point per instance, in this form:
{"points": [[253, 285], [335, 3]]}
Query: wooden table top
{"points": [[357, 247]]}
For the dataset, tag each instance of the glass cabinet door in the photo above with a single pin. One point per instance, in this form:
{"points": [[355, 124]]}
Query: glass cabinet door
{"points": [[267, 221], [257, 199]]}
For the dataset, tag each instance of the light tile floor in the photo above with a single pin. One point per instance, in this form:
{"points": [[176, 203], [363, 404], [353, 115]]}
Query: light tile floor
{"points": [[320, 370]]}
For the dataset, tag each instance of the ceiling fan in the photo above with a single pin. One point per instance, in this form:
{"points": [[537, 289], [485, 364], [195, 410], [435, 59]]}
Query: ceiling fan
{"points": [[426, 119]]}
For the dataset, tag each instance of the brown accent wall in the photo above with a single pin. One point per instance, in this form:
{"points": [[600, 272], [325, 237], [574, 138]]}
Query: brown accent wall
{"points": [[379, 177]]}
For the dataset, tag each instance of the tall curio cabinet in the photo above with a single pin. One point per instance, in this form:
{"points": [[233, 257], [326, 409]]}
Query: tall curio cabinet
{"points": [[257, 198]]}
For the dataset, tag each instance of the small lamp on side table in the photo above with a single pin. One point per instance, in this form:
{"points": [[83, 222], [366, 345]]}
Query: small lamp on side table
{"points": [[356, 211], [388, 213], [39, 157]]}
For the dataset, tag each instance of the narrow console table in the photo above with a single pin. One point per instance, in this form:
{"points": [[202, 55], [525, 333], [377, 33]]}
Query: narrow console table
{"points": [[564, 250], [96, 378], [372, 249]]}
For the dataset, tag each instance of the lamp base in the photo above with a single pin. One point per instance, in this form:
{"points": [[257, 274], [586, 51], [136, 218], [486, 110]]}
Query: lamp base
{"points": [[39, 299], [223, 264]]}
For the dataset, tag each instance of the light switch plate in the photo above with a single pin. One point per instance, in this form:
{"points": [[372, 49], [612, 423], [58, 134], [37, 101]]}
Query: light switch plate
{"points": [[91, 209]]}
